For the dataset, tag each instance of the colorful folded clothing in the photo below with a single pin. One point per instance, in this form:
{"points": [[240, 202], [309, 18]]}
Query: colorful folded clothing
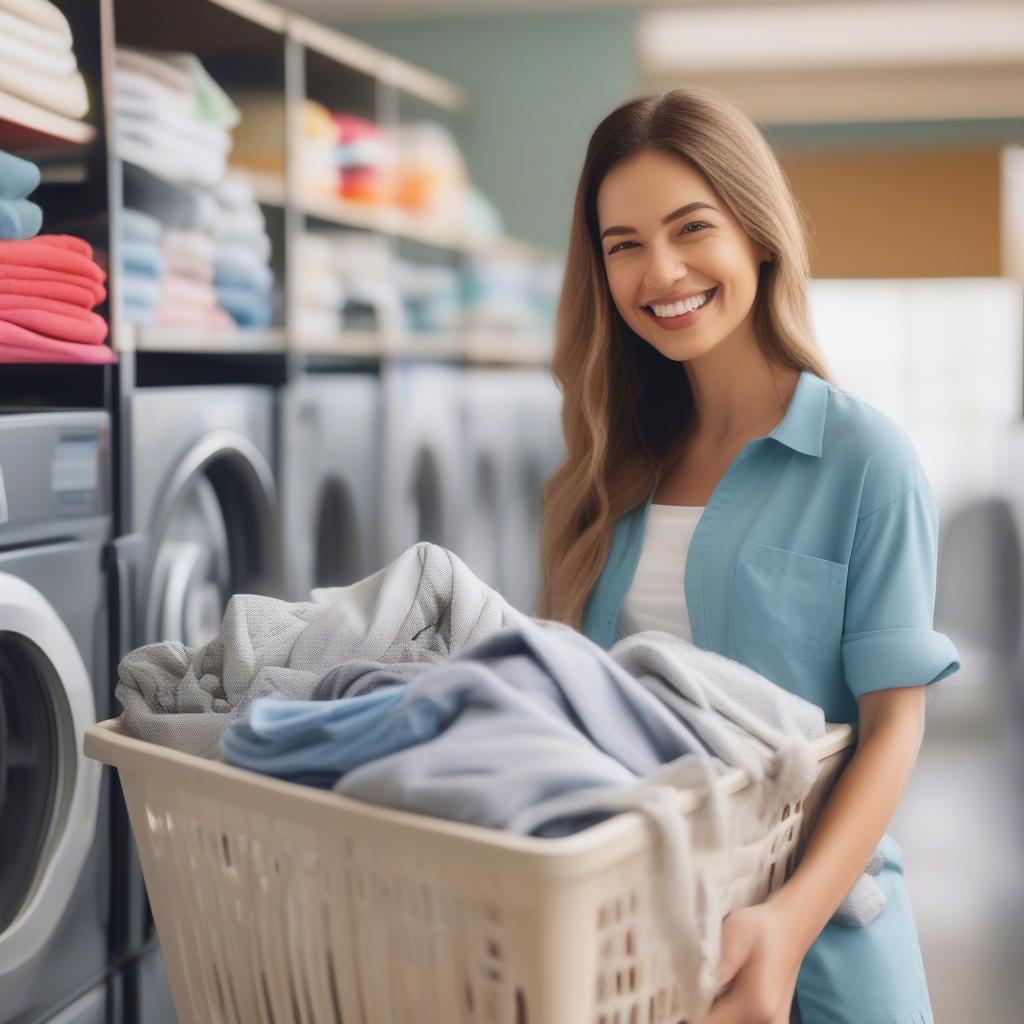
{"points": [[251, 310], [51, 286], [58, 325], [19, 219], [138, 226], [40, 12], [21, 345], [142, 258], [10, 272], [63, 95], [189, 254], [18, 178], [39, 58], [53, 252], [14, 26], [236, 267]]}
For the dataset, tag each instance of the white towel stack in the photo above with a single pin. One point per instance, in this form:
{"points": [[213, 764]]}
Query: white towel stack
{"points": [[172, 118], [37, 60], [320, 294]]}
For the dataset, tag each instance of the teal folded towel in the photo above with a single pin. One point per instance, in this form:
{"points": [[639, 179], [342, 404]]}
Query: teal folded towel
{"points": [[17, 177], [19, 219]]}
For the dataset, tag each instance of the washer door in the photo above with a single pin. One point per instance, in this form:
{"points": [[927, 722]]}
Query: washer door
{"points": [[215, 536], [340, 556], [49, 792]]}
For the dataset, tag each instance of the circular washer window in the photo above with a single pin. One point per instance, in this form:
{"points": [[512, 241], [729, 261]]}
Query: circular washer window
{"points": [[339, 557], [35, 782]]}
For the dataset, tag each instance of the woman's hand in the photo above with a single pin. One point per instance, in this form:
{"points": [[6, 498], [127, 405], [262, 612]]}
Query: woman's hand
{"points": [[761, 956]]}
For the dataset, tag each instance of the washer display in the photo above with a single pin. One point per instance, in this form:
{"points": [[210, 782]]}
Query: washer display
{"points": [[54, 683]]}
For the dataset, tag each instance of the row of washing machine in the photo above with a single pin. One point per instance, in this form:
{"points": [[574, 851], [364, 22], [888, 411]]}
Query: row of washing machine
{"points": [[228, 489]]}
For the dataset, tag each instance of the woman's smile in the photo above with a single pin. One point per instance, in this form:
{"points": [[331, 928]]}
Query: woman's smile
{"points": [[670, 319]]}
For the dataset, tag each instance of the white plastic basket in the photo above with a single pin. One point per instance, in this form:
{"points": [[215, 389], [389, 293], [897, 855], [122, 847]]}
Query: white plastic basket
{"points": [[276, 902]]}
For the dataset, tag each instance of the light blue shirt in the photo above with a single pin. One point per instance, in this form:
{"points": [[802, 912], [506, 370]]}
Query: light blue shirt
{"points": [[814, 563]]}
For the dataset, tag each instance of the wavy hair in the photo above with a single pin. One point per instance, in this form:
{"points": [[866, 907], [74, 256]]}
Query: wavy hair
{"points": [[624, 405]]}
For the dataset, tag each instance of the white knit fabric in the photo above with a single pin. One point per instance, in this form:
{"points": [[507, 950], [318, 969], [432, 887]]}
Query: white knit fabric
{"points": [[656, 599]]}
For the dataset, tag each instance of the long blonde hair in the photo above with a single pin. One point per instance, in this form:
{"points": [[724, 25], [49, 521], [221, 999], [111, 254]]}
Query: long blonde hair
{"points": [[623, 403]]}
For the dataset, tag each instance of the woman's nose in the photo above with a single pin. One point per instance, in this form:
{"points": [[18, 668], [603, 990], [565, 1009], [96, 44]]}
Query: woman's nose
{"points": [[664, 267]]}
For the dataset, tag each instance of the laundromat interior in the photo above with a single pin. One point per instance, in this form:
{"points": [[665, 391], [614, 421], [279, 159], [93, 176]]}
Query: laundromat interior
{"points": [[315, 327]]}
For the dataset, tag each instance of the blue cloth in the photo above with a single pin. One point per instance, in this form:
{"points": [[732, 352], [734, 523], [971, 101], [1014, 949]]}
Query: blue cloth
{"points": [[18, 178], [19, 219], [814, 563], [529, 714], [237, 273], [141, 259], [250, 309], [139, 226]]}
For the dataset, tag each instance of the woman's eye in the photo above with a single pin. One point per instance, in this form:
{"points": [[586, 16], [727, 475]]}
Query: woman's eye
{"points": [[685, 231]]}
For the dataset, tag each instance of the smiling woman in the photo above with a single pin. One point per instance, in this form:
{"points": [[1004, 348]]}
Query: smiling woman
{"points": [[719, 486]]}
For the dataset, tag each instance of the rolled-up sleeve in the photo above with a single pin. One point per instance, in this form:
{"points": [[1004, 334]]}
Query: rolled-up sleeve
{"points": [[888, 639]]}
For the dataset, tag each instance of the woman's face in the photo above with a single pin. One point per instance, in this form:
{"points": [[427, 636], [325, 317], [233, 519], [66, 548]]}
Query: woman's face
{"points": [[671, 243]]}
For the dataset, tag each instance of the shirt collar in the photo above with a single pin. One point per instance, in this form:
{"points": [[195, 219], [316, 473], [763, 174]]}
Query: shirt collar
{"points": [[803, 426]]}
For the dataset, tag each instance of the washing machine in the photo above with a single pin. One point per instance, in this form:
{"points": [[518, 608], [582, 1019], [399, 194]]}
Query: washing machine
{"points": [[203, 525], [54, 682], [540, 450], [421, 491], [329, 458], [489, 427]]}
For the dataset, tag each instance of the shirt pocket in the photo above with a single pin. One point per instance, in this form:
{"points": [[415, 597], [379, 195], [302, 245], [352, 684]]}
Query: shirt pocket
{"points": [[786, 605]]}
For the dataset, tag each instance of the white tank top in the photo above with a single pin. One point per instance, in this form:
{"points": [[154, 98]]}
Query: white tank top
{"points": [[656, 599]]}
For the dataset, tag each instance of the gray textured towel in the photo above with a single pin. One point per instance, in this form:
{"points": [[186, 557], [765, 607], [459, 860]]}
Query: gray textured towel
{"points": [[423, 607]]}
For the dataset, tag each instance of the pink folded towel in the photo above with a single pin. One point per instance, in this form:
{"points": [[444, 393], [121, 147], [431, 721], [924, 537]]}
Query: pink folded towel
{"points": [[21, 345], [50, 285], [59, 326]]}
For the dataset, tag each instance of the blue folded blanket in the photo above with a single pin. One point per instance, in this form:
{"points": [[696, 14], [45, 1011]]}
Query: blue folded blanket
{"points": [[19, 218], [18, 178], [143, 259], [249, 309]]}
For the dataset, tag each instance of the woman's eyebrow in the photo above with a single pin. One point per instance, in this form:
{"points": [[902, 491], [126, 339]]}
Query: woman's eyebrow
{"points": [[674, 215]]}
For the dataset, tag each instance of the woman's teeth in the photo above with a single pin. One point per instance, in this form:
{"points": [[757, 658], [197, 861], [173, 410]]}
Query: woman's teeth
{"points": [[684, 306]]}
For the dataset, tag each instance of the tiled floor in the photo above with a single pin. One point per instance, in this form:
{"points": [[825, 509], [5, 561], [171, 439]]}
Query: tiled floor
{"points": [[961, 827]]}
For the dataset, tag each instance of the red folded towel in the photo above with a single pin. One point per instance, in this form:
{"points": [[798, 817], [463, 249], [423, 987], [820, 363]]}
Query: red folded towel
{"points": [[59, 326], [53, 252], [16, 273], [20, 345], [31, 291]]}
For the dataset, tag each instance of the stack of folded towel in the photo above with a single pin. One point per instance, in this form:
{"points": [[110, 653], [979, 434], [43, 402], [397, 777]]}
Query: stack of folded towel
{"points": [[48, 283], [37, 62], [142, 266], [242, 274], [48, 287], [320, 295], [364, 155], [172, 118]]}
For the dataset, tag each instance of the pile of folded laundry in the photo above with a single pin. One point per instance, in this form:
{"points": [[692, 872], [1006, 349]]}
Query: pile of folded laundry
{"points": [[420, 688], [37, 59], [173, 132], [49, 284]]}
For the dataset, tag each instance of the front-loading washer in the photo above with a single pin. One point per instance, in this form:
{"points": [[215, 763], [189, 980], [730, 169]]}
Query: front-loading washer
{"points": [[489, 428], [55, 521], [202, 525], [329, 460], [540, 450], [422, 489]]}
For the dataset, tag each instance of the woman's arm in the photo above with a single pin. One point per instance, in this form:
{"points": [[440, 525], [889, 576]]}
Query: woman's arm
{"points": [[762, 946], [860, 807]]}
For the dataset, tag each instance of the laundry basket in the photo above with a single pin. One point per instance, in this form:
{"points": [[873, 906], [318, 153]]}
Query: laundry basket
{"points": [[276, 902]]}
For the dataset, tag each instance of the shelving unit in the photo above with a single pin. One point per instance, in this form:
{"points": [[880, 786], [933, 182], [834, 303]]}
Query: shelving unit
{"points": [[244, 43]]}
